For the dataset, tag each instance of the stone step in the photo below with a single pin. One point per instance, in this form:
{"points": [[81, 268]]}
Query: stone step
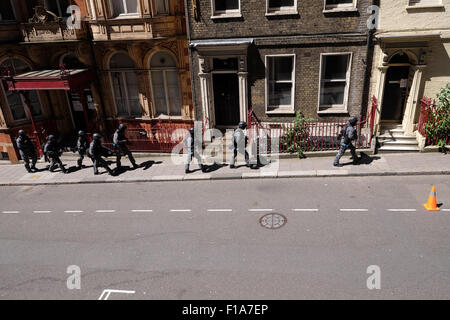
{"points": [[399, 148], [398, 140]]}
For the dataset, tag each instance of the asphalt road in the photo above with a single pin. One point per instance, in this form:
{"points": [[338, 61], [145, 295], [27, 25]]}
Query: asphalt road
{"points": [[204, 240]]}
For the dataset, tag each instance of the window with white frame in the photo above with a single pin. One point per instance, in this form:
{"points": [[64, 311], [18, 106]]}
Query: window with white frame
{"points": [[424, 3], [58, 7], [334, 81], [339, 5], [281, 6], [165, 86], [7, 11], [162, 7], [125, 85], [15, 101], [124, 7], [280, 83], [226, 7]]}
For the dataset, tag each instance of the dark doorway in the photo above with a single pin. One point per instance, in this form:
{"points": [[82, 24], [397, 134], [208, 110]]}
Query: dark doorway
{"points": [[395, 90], [226, 99]]}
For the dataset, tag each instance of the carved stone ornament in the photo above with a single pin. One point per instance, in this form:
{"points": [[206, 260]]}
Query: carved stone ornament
{"points": [[41, 15]]}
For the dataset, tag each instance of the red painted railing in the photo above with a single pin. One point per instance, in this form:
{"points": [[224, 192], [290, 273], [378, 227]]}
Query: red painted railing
{"points": [[430, 117], [310, 135]]}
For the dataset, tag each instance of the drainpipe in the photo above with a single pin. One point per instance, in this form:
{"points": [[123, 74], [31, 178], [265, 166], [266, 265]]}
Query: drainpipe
{"points": [[191, 64]]}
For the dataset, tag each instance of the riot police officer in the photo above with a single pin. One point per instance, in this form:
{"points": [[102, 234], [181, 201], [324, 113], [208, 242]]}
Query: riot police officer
{"points": [[120, 142], [52, 151], [189, 143], [82, 147], [239, 144], [347, 136], [27, 151], [97, 151]]}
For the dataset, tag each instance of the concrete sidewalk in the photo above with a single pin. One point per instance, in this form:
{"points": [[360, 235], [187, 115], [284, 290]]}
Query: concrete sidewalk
{"points": [[172, 169]]}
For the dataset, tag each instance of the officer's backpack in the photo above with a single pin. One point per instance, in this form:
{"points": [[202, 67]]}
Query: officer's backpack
{"points": [[343, 132]]}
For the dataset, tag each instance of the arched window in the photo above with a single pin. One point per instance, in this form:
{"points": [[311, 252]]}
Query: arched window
{"points": [[71, 61], [58, 7], [7, 11], [124, 7], [15, 102], [166, 92], [162, 7], [125, 85]]}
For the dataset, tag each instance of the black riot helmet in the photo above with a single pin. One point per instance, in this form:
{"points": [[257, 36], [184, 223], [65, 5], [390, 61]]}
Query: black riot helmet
{"points": [[242, 125], [353, 120], [51, 137], [81, 133], [22, 133], [122, 127], [96, 136]]}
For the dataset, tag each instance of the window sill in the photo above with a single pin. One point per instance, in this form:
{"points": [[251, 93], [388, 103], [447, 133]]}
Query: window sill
{"points": [[433, 6], [332, 110], [333, 10], [281, 13], [227, 16], [281, 111], [126, 16]]}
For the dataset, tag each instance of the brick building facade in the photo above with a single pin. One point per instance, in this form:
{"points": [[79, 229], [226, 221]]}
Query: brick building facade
{"points": [[277, 58]]}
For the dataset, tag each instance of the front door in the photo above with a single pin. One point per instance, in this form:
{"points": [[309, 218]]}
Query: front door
{"points": [[395, 90], [226, 99]]}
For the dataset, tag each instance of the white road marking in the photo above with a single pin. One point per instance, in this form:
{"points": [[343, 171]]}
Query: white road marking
{"points": [[42, 211], [306, 210], [397, 210], [220, 210], [138, 211], [105, 211], [107, 293], [180, 210], [260, 210], [357, 210], [10, 211], [73, 211], [445, 209]]}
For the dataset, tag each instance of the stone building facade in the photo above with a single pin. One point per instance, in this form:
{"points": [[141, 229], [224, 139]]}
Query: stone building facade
{"points": [[277, 58], [137, 50]]}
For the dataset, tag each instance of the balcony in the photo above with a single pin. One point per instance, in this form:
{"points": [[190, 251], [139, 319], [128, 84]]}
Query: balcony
{"points": [[52, 31], [9, 32], [136, 28]]}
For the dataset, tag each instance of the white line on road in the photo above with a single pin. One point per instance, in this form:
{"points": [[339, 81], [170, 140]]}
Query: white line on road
{"points": [[397, 210], [306, 210], [42, 211], [141, 211], [180, 210], [73, 211], [107, 292], [260, 210], [350, 210], [105, 211], [220, 210], [10, 211], [445, 209]]}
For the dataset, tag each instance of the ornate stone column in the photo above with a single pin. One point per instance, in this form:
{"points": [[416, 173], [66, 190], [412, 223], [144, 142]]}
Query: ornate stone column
{"points": [[243, 88], [205, 89], [379, 94], [413, 100]]}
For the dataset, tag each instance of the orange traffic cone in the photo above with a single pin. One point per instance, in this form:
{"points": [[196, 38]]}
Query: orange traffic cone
{"points": [[431, 205]]}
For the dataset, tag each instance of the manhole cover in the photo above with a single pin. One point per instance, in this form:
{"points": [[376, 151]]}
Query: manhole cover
{"points": [[273, 221]]}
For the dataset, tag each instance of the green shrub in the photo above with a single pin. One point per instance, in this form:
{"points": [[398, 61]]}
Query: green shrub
{"points": [[296, 137], [438, 125]]}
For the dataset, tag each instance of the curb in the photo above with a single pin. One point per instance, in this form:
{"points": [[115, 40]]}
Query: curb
{"points": [[266, 175]]}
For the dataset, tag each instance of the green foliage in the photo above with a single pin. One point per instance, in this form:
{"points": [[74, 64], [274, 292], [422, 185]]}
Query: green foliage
{"points": [[438, 125], [296, 137]]}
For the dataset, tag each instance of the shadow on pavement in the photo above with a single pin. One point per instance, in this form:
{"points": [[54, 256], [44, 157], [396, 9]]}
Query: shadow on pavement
{"points": [[364, 159], [148, 164], [213, 167]]}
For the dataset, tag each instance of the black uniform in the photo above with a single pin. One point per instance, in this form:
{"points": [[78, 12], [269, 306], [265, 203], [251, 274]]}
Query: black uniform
{"points": [[239, 144], [27, 152], [82, 147], [52, 151], [97, 151], [349, 134], [120, 146], [189, 143]]}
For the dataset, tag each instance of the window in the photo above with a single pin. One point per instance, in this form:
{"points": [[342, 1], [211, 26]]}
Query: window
{"points": [[334, 81], [7, 11], [162, 7], [124, 7], [280, 84], [125, 85], [58, 7], [424, 3], [281, 7], [15, 102], [165, 88], [340, 5], [226, 8]]}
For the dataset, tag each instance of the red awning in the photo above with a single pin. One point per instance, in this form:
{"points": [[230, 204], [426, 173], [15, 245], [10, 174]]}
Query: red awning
{"points": [[69, 79]]}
